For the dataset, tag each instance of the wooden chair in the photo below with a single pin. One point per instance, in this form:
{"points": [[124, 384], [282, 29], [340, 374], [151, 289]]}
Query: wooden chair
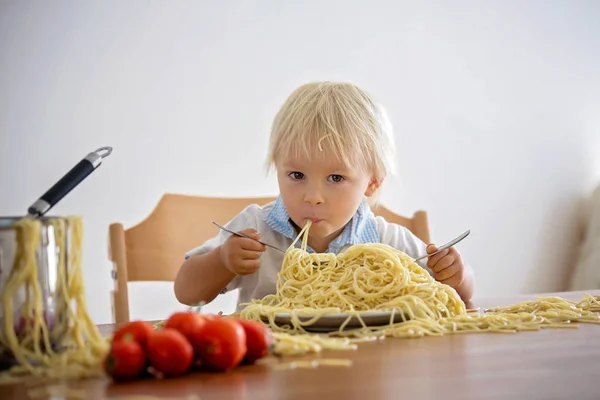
{"points": [[153, 250]]}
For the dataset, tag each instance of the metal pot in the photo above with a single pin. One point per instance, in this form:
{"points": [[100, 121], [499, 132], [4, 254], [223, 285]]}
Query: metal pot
{"points": [[47, 266], [47, 252]]}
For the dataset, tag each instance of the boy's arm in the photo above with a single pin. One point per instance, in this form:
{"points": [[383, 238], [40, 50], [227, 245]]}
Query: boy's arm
{"points": [[211, 267], [201, 278]]}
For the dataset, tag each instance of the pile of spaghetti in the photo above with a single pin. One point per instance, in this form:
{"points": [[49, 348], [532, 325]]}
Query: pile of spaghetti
{"points": [[45, 340], [370, 277]]}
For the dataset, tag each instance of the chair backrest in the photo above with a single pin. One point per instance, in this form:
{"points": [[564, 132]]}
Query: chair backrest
{"points": [[153, 249]]}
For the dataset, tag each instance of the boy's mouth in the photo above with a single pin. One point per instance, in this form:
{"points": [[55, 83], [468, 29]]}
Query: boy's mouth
{"points": [[315, 220]]}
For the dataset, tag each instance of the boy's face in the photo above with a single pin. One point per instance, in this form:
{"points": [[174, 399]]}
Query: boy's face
{"points": [[322, 190]]}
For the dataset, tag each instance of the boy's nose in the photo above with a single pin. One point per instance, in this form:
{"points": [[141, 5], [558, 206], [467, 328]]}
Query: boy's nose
{"points": [[313, 197]]}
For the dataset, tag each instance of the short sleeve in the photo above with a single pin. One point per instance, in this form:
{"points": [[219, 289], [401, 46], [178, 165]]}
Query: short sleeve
{"points": [[403, 239], [247, 219]]}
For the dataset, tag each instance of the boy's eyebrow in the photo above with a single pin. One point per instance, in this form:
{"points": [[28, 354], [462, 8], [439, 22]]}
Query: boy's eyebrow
{"points": [[289, 165], [333, 169]]}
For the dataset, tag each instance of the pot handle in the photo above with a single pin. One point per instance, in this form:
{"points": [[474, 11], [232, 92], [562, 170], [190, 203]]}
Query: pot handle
{"points": [[71, 179]]}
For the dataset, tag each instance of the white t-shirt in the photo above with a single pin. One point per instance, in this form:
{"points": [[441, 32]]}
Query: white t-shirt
{"points": [[271, 221]]}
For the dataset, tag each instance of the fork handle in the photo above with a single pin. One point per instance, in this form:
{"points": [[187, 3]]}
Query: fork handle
{"points": [[446, 246]]}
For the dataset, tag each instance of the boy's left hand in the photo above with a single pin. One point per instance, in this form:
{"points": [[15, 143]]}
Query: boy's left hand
{"points": [[447, 265]]}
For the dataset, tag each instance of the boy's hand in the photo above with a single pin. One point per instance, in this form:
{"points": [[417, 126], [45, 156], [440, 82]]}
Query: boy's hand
{"points": [[242, 255], [447, 265]]}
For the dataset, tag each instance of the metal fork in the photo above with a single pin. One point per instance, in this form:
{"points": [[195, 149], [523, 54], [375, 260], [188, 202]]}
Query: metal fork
{"points": [[447, 245], [248, 237]]}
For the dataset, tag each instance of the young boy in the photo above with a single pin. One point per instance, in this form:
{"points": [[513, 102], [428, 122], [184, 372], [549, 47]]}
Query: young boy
{"points": [[332, 147]]}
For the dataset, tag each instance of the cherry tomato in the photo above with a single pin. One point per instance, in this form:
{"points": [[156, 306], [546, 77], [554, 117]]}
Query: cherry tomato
{"points": [[258, 340], [221, 343], [170, 353], [125, 359], [186, 322], [140, 330]]}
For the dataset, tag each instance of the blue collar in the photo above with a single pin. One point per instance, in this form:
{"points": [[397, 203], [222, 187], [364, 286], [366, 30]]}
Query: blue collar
{"points": [[362, 228]]}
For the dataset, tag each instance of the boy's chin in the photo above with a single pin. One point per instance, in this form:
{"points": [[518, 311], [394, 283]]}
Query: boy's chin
{"points": [[322, 231]]}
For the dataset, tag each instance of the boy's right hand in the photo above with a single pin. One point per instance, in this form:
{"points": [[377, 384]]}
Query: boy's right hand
{"points": [[242, 255]]}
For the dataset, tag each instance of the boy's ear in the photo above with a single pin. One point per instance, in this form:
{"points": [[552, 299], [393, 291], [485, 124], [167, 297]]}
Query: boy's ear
{"points": [[374, 184]]}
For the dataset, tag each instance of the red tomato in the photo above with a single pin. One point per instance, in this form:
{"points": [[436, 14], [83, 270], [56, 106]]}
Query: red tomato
{"points": [[125, 360], [139, 330], [170, 353], [258, 340], [221, 343], [186, 322]]}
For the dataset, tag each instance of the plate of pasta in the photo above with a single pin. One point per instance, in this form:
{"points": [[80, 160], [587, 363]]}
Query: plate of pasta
{"points": [[323, 321]]}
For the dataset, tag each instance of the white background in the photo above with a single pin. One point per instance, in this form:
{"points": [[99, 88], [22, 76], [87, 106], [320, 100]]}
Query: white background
{"points": [[495, 105]]}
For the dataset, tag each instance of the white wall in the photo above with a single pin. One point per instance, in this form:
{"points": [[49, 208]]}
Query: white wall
{"points": [[495, 106]]}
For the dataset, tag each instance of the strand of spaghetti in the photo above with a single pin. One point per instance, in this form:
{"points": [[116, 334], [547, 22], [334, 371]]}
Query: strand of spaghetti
{"points": [[333, 362]]}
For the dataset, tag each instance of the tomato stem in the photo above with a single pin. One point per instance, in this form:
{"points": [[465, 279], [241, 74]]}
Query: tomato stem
{"points": [[128, 337]]}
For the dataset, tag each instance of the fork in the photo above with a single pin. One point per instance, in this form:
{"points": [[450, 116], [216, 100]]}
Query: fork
{"points": [[248, 237], [447, 245]]}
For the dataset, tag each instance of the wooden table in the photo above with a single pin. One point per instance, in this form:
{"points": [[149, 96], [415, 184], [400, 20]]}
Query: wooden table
{"points": [[546, 364]]}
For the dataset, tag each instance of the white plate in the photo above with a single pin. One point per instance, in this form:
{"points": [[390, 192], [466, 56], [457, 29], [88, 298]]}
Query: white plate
{"points": [[332, 322]]}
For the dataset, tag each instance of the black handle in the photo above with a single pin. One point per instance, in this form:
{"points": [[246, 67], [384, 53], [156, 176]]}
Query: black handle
{"points": [[71, 179]]}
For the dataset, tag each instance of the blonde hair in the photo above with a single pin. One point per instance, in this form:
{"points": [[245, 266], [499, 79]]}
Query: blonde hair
{"points": [[338, 119]]}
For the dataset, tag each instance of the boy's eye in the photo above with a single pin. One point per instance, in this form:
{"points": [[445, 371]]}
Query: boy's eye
{"points": [[336, 178], [296, 175]]}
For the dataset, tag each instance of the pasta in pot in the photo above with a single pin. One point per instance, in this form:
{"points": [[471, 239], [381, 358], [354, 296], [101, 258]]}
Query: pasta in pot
{"points": [[70, 347]]}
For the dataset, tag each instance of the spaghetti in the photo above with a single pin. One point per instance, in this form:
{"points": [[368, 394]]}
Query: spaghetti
{"points": [[376, 276], [61, 343]]}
